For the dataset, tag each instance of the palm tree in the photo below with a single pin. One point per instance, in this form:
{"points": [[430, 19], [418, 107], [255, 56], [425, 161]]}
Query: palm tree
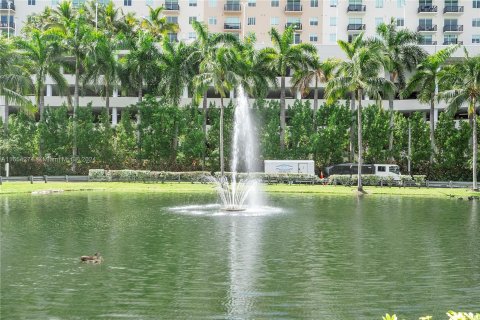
{"points": [[286, 56], [101, 65], [401, 53], [157, 24], [317, 72], [360, 74], [15, 80], [44, 58], [425, 82], [218, 73], [465, 80]]}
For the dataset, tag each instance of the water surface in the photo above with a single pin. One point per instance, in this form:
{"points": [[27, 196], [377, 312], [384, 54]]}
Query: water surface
{"points": [[315, 257]]}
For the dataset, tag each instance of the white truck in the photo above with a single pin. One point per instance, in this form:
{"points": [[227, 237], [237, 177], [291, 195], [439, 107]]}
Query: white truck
{"points": [[290, 166]]}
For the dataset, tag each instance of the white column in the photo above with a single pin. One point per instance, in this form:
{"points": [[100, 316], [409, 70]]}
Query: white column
{"points": [[49, 90], [185, 93], [114, 116], [2, 112], [231, 94], [299, 95], [115, 92], [435, 116]]}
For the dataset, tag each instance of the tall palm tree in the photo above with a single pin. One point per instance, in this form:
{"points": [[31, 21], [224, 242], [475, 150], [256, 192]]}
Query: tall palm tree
{"points": [[360, 74], [401, 53], [43, 54], [157, 24], [317, 72], [425, 82], [15, 80], [465, 80], [287, 56], [219, 73]]}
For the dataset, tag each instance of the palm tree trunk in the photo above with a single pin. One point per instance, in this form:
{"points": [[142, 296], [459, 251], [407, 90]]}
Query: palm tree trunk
{"points": [[360, 146], [222, 164], [204, 128], [5, 119], [41, 108], [76, 104], [139, 118], [432, 128], [390, 107], [140, 89], [107, 100], [351, 155], [315, 105], [282, 114], [475, 148]]}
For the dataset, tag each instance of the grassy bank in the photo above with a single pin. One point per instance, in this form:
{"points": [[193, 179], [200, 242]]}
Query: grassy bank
{"points": [[26, 187]]}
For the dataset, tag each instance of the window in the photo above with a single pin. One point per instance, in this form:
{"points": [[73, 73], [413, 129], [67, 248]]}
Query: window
{"points": [[55, 2], [476, 38], [313, 38], [378, 21], [296, 38], [314, 3], [425, 24], [172, 19], [333, 37], [191, 19], [31, 2], [400, 3], [427, 39], [382, 169], [276, 3], [450, 39], [212, 21], [147, 2], [252, 3], [172, 37], [476, 22], [333, 21], [378, 3], [192, 36], [192, 3], [314, 21], [274, 21], [126, 3], [356, 21], [333, 3], [476, 4], [212, 3], [400, 22], [251, 21]]}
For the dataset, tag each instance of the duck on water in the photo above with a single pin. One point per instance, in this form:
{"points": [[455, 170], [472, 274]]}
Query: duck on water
{"points": [[96, 258]]}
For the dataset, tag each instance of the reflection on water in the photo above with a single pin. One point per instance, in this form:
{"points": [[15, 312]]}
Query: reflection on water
{"points": [[178, 256]]}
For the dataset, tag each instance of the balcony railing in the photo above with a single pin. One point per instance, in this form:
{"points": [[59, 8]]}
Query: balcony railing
{"points": [[355, 26], [294, 25], [427, 28], [356, 8], [454, 41], [293, 7], [427, 9], [453, 28], [172, 7], [453, 9], [232, 26], [428, 42], [232, 7], [7, 25], [4, 5]]}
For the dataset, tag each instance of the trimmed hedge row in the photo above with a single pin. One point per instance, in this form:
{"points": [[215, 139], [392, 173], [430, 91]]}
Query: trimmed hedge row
{"points": [[373, 180], [145, 175]]}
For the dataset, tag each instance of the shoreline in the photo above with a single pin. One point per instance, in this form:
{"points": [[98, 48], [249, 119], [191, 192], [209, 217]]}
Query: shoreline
{"points": [[15, 188]]}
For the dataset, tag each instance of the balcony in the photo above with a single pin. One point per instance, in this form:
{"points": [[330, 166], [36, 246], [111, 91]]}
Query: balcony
{"points": [[6, 25], [428, 43], [355, 27], [297, 26], [172, 7], [232, 26], [232, 7], [427, 9], [453, 28], [361, 8], [294, 7], [4, 5], [453, 41], [453, 9], [432, 28]]}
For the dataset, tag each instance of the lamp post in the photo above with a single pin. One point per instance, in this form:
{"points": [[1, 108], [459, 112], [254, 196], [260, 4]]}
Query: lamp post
{"points": [[96, 15], [9, 7]]}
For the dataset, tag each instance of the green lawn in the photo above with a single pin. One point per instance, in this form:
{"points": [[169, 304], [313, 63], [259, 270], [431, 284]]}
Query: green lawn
{"points": [[26, 187]]}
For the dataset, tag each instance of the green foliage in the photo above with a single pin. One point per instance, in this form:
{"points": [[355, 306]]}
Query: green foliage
{"points": [[213, 135], [300, 130], [21, 140], [192, 147], [269, 124], [375, 134], [57, 141]]}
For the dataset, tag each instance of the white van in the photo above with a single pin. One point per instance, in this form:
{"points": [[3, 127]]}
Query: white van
{"points": [[387, 170]]}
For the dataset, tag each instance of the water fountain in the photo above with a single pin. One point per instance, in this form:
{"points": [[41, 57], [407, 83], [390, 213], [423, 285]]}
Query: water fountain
{"points": [[241, 189]]}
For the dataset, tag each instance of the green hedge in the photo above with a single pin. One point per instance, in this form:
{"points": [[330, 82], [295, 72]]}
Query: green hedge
{"points": [[145, 175], [373, 180]]}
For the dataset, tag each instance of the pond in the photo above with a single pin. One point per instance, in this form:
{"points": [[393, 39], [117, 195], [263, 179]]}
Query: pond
{"points": [[312, 257]]}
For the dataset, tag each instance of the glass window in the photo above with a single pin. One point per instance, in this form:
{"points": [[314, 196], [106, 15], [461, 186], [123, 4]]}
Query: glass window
{"points": [[400, 3], [251, 21], [192, 35], [274, 21], [252, 3], [394, 169], [355, 21], [333, 37], [476, 22], [313, 3], [400, 22], [333, 21], [192, 3], [378, 21], [172, 37], [314, 21], [296, 38], [476, 38], [172, 19], [276, 3], [127, 3], [31, 2], [212, 20], [333, 3], [313, 38], [476, 4], [378, 3], [212, 3], [381, 169], [191, 19]]}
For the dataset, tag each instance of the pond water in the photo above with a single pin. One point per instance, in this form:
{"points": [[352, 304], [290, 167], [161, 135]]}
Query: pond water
{"points": [[307, 257]]}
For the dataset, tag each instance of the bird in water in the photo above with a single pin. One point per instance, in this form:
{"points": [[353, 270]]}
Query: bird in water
{"points": [[96, 258]]}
